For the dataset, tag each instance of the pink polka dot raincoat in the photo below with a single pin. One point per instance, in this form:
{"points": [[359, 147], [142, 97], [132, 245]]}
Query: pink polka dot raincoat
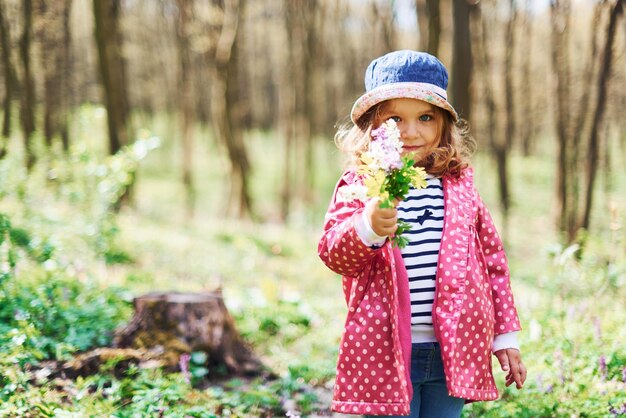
{"points": [[473, 303]]}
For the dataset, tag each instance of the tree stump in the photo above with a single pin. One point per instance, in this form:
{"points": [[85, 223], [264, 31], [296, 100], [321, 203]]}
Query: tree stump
{"points": [[188, 322]]}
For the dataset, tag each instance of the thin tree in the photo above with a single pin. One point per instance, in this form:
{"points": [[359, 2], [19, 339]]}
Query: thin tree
{"points": [[186, 100], [497, 143], [66, 79], [10, 78], [429, 22], [109, 41], [27, 108], [509, 89], [422, 23], [461, 59], [53, 40], [560, 19], [302, 42], [381, 22], [502, 149], [527, 130], [580, 122], [224, 115], [594, 138], [287, 108], [384, 16], [309, 63]]}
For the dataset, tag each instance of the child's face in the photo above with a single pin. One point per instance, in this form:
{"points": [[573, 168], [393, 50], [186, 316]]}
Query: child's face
{"points": [[419, 123]]}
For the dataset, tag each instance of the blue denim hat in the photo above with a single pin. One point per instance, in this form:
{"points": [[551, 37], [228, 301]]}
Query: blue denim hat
{"points": [[404, 75]]}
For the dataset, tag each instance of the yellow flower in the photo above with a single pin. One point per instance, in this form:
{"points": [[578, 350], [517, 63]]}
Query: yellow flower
{"points": [[418, 178], [366, 158], [374, 183], [363, 169]]}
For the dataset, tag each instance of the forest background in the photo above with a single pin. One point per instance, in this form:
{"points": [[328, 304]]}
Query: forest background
{"points": [[185, 145]]}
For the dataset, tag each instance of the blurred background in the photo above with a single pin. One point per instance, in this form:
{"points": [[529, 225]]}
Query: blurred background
{"points": [[187, 145]]}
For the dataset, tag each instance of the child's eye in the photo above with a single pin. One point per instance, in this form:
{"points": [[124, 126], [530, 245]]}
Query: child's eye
{"points": [[396, 118], [425, 118]]}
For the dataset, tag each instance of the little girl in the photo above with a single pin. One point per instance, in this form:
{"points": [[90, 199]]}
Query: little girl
{"points": [[424, 320]]}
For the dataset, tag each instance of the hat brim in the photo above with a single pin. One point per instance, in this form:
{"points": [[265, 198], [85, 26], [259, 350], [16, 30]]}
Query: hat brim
{"points": [[399, 91]]}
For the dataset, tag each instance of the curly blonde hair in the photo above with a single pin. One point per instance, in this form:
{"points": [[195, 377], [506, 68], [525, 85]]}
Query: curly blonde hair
{"points": [[456, 145]]}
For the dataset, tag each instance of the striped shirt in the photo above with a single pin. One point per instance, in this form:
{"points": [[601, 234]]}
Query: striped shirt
{"points": [[423, 209]]}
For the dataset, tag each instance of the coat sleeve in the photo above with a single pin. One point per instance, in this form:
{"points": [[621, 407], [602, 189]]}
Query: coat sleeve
{"points": [[340, 247], [506, 318]]}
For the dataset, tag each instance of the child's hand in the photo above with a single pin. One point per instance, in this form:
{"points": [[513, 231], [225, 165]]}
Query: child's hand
{"points": [[511, 361], [384, 222]]}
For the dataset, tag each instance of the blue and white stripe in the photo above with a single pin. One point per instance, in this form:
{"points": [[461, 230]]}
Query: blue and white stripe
{"points": [[424, 210]]}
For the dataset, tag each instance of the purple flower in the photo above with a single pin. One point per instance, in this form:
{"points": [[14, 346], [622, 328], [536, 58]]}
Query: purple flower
{"points": [[618, 412], [386, 148], [602, 367], [598, 328], [624, 374], [183, 363], [558, 359]]}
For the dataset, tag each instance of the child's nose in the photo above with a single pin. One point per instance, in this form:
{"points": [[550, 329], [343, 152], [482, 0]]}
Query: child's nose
{"points": [[409, 130]]}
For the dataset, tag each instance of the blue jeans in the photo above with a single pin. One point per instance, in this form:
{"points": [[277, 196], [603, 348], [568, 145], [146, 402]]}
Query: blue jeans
{"points": [[430, 395]]}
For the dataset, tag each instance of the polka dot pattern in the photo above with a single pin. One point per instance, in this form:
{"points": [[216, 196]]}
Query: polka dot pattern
{"points": [[473, 303]]}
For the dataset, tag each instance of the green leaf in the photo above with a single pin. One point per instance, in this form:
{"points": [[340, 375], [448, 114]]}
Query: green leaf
{"points": [[199, 357], [199, 372]]}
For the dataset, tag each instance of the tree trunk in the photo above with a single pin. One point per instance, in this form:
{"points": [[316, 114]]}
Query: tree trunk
{"points": [[186, 100], [10, 78], [109, 41], [185, 323], [573, 174], [27, 111], [286, 104], [461, 59], [51, 36], [503, 147], [560, 16], [67, 84], [423, 25], [509, 89], [527, 130], [287, 109], [384, 13], [309, 54], [429, 22], [224, 115], [302, 41], [434, 26], [498, 147], [594, 138], [382, 24]]}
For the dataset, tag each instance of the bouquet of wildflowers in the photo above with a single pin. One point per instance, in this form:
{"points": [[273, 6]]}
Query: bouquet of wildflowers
{"points": [[386, 174]]}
